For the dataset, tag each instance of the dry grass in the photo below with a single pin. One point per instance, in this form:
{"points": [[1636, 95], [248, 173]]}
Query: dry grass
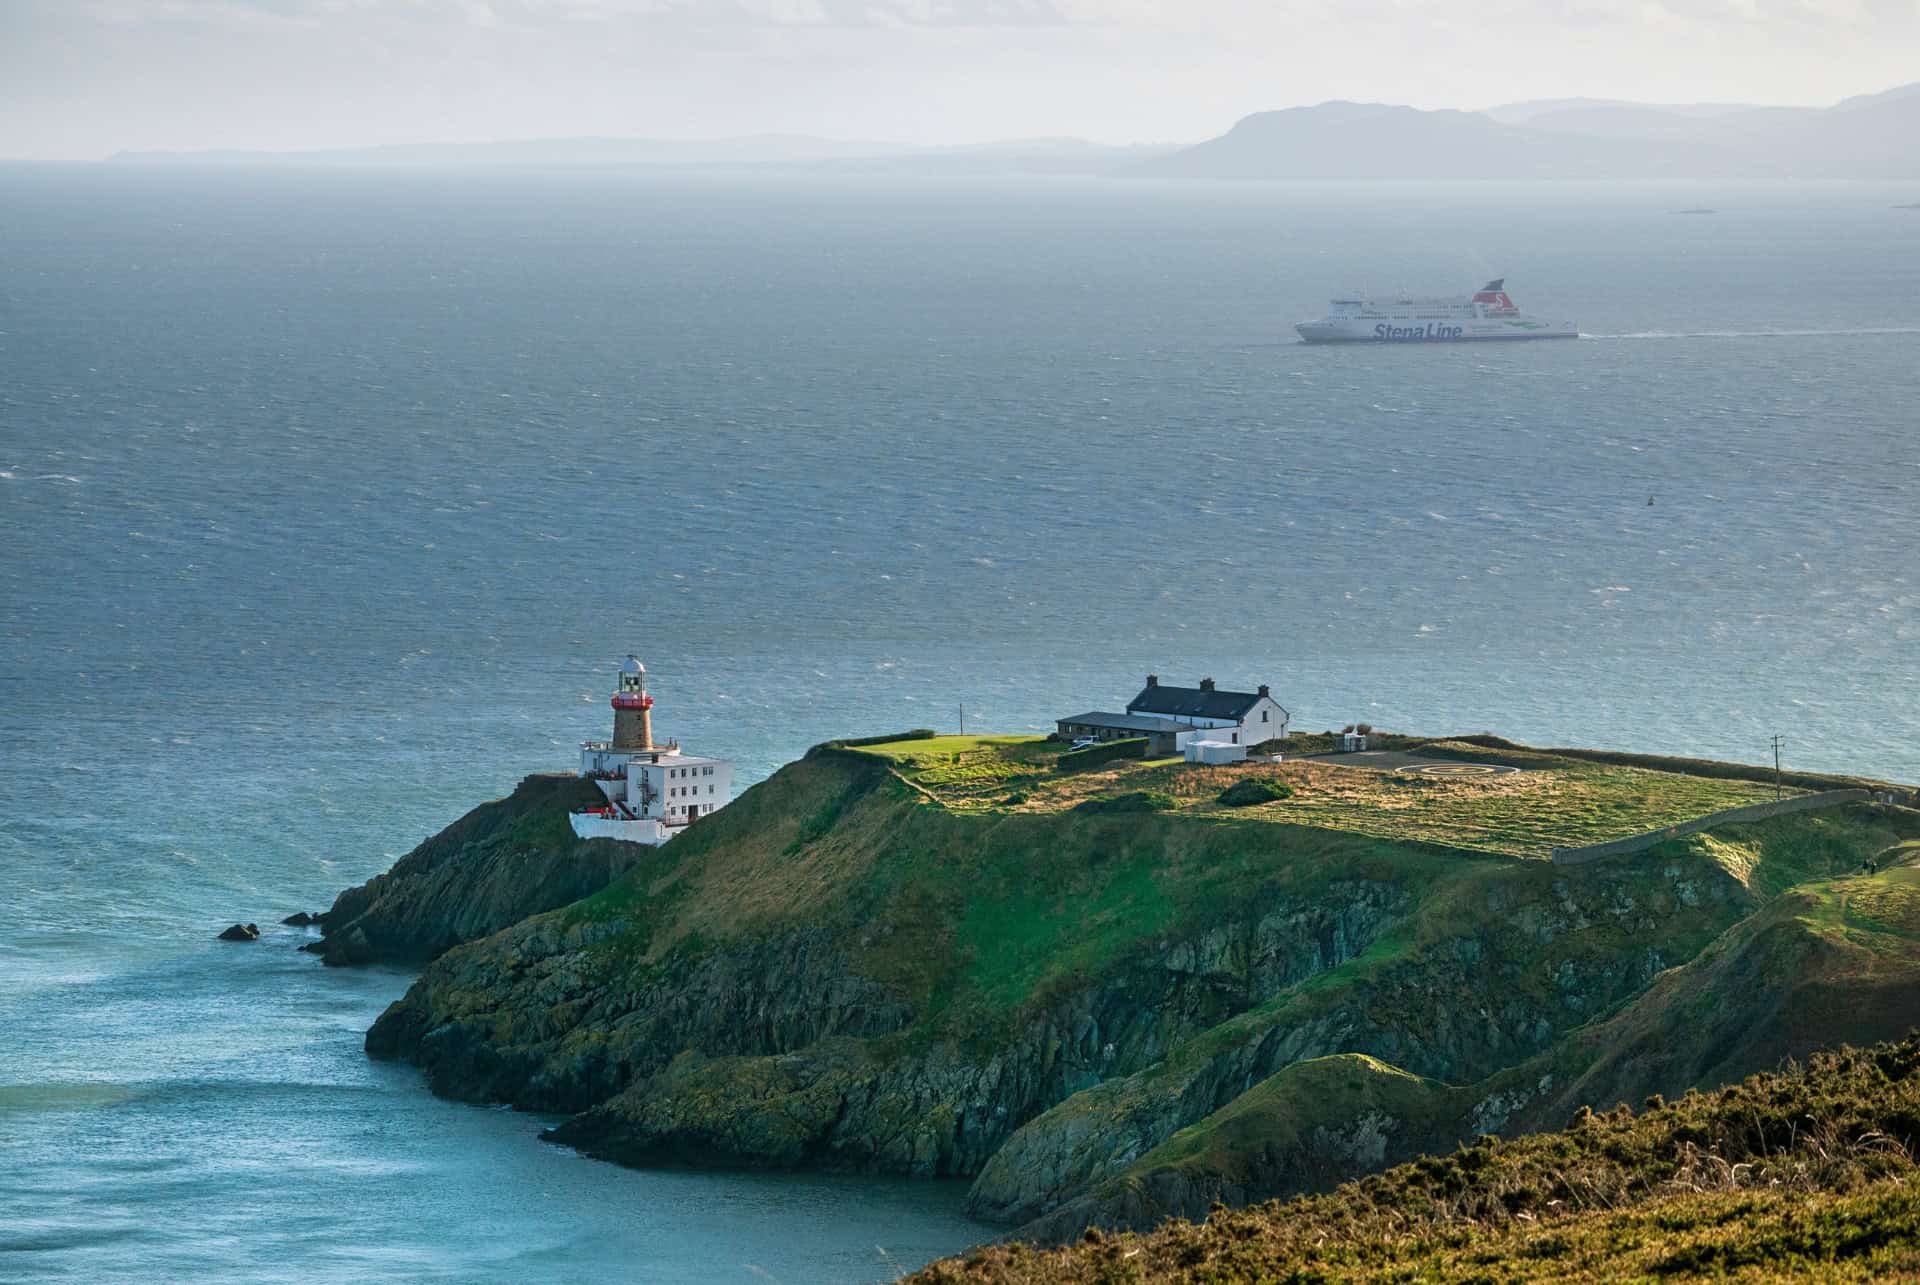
{"points": [[1523, 814]]}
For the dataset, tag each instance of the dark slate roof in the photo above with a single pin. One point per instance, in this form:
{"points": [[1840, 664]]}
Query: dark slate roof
{"points": [[1127, 722], [1192, 702]]}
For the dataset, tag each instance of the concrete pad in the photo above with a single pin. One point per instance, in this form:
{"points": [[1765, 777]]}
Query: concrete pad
{"points": [[1396, 761]]}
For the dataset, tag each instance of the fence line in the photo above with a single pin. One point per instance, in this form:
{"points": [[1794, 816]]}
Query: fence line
{"points": [[1730, 816]]}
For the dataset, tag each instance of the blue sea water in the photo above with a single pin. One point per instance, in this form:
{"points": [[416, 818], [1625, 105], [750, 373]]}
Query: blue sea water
{"points": [[329, 499]]}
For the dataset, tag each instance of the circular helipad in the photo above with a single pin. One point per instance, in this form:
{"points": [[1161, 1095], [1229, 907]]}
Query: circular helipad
{"points": [[1461, 769]]}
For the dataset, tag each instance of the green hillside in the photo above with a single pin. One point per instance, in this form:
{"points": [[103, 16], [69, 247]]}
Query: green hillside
{"points": [[1809, 1172], [930, 957]]}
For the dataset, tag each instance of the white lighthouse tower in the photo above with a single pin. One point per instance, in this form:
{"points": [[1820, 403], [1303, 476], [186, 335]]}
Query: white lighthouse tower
{"points": [[653, 791]]}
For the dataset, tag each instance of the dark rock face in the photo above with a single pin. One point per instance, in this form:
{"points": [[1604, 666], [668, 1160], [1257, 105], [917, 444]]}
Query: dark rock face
{"points": [[775, 1051], [789, 987], [495, 866], [785, 1074], [1458, 1009], [241, 932]]}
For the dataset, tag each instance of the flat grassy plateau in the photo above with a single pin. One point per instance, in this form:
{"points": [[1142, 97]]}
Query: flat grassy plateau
{"points": [[1553, 802]]}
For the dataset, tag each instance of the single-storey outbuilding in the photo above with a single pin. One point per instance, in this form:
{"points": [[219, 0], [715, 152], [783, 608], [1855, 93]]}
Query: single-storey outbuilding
{"points": [[1164, 735]]}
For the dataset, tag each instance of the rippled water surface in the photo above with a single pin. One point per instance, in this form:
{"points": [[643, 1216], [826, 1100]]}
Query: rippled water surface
{"points": [[329, 499]]}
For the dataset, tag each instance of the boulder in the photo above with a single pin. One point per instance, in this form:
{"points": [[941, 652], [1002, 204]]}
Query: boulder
{"points": [[300, 919], [241, 932]]}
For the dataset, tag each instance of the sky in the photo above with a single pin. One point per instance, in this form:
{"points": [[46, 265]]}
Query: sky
{"points": [[81, 79]]}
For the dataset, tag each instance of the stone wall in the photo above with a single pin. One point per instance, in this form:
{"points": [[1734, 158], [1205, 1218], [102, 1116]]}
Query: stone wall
{"points": [[1731, 816]]}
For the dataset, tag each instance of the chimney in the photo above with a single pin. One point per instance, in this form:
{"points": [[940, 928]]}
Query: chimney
{"points": [[1264, 691], [1153, 680], [1206, 684]]}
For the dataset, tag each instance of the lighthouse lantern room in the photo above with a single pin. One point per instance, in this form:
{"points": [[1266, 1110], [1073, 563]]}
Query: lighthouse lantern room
{"points": [[652, 791]]}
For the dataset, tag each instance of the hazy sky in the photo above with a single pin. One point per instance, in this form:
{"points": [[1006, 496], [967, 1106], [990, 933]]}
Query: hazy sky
{"points": [[82, 78]]}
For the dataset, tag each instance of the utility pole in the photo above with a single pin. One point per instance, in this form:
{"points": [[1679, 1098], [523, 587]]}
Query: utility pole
{"points": [[963, 718], [1778, 741]]}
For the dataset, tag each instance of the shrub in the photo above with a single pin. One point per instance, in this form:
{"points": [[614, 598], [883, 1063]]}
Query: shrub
{"points": [[1132, 801], [1255, 790], [917, 734]]}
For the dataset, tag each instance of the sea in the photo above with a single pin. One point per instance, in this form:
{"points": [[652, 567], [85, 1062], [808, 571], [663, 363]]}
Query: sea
{"points": [[330, 500]]}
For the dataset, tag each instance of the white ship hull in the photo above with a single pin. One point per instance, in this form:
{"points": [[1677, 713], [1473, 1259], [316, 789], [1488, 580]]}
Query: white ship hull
{"points": [[1487, 315], [1409, 331]]}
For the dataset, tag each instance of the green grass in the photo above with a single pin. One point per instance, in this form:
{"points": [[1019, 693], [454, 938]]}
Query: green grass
{"points": [[1558, 802], [969, 772], [935, 747], [1018, 947], [1285, 1109]]}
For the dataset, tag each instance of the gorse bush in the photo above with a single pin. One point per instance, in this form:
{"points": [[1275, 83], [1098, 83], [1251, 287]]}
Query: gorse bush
{"points": [[1255, 790], [1806, 1171]]}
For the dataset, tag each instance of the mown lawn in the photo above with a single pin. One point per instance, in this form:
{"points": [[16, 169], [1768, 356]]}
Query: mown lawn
{"points": [[970, 771]]}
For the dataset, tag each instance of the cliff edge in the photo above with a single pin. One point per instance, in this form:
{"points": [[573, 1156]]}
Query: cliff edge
{"points": [[498, 864], [921, 962]]}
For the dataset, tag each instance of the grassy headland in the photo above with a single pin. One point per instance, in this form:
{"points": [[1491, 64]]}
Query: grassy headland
{"points": [[928, 957]]}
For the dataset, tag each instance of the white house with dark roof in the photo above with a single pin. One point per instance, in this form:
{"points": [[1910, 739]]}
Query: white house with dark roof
{"points": [[1239, 718]]}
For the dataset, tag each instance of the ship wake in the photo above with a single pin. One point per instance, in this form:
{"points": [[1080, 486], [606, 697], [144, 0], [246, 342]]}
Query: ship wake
{"points": [[1754, 334]]}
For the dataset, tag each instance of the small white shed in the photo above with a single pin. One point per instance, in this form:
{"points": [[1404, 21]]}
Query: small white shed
{"points": [[1199, 751]]}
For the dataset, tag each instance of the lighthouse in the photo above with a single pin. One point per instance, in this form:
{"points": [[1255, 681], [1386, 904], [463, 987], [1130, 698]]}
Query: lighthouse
{"points": [[652, 790], [632, 708]]}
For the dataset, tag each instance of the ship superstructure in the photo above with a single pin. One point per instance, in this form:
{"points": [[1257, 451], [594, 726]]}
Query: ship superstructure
{"points": [[1489, 313]]}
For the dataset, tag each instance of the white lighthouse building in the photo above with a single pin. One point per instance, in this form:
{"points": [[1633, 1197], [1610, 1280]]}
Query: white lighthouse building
{"points": [[652, 791]]}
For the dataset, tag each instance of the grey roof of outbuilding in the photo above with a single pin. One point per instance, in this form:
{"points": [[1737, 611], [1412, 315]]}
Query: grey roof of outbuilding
{"points": [[1192, 702], [1126, 722]]}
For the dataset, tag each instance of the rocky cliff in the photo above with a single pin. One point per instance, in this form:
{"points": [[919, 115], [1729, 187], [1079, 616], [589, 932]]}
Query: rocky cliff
{"points": [[1809, 970], [1101, 1018], [498, 864]]}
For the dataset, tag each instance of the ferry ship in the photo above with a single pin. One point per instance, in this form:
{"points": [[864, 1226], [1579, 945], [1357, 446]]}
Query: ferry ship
{"points": [[1488, 314]]}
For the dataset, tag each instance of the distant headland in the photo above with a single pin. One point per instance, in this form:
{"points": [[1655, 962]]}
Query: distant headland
{"points": [[1866, 137]]}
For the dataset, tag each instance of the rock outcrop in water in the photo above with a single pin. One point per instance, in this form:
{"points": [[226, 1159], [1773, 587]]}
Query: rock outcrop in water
{"points": [[492, 868], [1106, 1019]]}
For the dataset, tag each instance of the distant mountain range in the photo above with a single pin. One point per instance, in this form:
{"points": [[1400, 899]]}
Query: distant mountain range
{"points": [[1032, 155], [1870, 137]]}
